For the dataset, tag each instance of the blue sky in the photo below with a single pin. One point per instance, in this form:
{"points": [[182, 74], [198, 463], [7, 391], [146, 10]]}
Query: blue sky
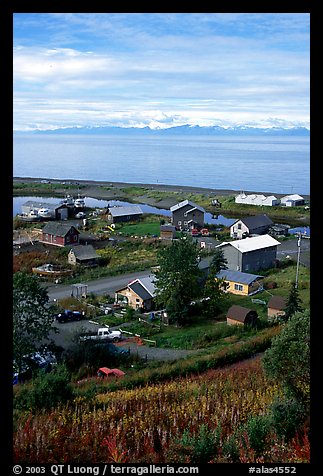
{"points": [[161, 69]]}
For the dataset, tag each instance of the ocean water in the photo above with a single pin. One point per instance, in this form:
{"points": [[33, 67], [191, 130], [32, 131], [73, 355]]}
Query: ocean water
{"points": [[264, 164]]}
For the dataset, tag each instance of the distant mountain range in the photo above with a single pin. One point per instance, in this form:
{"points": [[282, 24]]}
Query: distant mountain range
{"points": [[182, 130]]}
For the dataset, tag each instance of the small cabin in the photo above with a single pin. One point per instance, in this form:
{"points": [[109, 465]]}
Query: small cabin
{"points": [[84, 255], [241, 316], [276, 307], [167, 232]]}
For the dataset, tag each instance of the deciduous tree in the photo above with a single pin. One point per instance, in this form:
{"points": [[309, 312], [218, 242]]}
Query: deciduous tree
{"points": [[177, 277], [32, 319]]}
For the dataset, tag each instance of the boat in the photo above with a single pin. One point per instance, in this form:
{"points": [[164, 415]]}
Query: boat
{"points": [[68, 200], [44, 213], [31, 216], [79, 202]]}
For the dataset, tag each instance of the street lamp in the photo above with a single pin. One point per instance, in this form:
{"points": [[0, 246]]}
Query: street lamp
{"points": [[298, 257]]}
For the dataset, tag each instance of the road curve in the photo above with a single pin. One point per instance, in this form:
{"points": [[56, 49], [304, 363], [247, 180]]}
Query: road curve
{"points": [[100, 286]]}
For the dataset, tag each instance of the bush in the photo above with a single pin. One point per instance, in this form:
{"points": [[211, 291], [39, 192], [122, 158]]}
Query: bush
{"points": [[45, 391], [258, 428], [287, 417]]}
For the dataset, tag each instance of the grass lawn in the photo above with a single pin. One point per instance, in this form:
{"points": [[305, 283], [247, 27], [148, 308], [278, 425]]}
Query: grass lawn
{"points": [[141, 229]]}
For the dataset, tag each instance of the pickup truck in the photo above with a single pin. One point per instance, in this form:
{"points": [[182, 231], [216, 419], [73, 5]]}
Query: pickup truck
{"points": [[103, 333], [68, 315]]}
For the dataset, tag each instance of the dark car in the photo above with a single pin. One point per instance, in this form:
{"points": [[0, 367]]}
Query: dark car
{"points": [[68, 316]]}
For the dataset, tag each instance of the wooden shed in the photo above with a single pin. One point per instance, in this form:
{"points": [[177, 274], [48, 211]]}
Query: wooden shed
{"points": [[276, 307], [241, 316], [83, 254], [105, 372], [167, 232]]}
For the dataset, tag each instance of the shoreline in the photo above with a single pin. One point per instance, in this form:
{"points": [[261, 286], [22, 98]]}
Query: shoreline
{"points": [[102, 194]]}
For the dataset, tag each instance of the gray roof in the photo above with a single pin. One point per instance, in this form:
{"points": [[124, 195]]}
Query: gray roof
{"points": [[167, 228], [58, 228], [255, 221], [184, 204], [125, 211], [144, 287], [84, 252], [50, 206], [237, 276]]}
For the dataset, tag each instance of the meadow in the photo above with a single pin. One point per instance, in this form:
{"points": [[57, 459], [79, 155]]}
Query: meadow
{"points": [[216, 416]]}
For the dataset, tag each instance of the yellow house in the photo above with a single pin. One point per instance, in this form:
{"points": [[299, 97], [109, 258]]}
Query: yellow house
{"points": [[243, 284]]}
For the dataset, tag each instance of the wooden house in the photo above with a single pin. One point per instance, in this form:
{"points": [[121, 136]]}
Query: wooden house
{"points": [[276, 307], [60, 234], [124, 214], [254, 225], [241, 316], [187, 215], [138, 294], [83, 254], [167, 232], [250, 254], [243, 284]]}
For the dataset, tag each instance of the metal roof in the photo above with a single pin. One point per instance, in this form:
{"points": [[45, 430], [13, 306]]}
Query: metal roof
{"points": [[125, 211], [237, 276], [293, 197], [36, 205], [184, 204], [255, 221], [252, 244], [58, 229], [84, 252]]}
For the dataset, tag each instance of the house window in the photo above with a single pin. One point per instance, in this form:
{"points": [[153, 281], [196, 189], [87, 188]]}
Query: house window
{"points": [[239, 226], [137, 300], [185, 214], [238, 287], [179, 222], [75, 237], [185, 222]]}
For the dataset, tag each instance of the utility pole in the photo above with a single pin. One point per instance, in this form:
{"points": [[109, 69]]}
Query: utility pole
{"points": [[298, 258]]}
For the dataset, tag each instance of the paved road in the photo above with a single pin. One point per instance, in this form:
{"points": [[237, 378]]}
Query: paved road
{"points": [[100, 286], [290, 248]]}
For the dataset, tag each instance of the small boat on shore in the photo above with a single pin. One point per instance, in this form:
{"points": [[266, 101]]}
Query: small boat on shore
{"points": [[29, 217], [79, 202]]}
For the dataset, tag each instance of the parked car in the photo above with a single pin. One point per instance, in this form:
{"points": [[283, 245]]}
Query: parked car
{"points": [[67, 316], [103, 333], [37, 360]]}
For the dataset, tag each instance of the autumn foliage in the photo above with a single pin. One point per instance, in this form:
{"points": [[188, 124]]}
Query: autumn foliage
{"points": [[197, 419]]}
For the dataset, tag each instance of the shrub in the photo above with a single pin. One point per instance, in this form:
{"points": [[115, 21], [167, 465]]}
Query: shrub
{"points": [[287, 417], [45, 391], [258, 428]]}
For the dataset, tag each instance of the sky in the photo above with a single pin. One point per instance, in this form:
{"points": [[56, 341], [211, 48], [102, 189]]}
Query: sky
{"points": [[161, 70]]}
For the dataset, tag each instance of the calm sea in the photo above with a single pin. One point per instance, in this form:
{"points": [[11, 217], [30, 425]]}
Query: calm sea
{"points": [[264, 164]]}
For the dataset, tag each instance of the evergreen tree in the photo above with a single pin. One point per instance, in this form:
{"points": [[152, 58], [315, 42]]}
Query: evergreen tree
{"points": [[218, 262], [293, 302]]}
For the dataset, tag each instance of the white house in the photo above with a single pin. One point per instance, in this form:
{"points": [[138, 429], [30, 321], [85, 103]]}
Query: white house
{"points": [[257, 199], [294, 200]]}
